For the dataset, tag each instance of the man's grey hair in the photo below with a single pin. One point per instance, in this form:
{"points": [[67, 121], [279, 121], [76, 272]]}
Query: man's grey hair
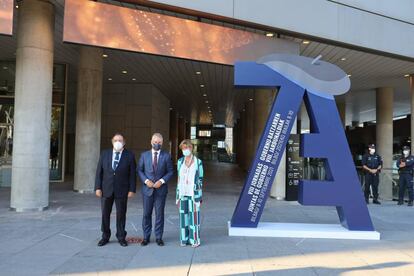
{"points": [[158, 135]]}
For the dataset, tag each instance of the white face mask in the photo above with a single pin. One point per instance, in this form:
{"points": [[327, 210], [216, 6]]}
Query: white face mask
{"points": [[371, 151], [186, 152], [118, 146], [406, 152]]}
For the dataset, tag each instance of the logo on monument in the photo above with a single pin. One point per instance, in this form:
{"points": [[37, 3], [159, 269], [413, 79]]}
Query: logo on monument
{"points": [[315, 82]]}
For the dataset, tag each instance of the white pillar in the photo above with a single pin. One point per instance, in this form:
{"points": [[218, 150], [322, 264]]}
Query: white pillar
{"points": [[33, 104], [88, 118], [384, 110]]}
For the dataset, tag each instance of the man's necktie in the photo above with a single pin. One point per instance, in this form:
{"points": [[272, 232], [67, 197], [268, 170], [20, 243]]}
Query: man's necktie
{"points": [[155, 161], [116, 160]]}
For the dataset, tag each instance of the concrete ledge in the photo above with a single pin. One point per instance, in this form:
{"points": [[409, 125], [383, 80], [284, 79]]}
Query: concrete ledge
{"points": [[302, 230]]}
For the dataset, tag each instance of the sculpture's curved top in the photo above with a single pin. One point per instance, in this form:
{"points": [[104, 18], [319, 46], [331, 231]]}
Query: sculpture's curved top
{"points": [[314, 75]]}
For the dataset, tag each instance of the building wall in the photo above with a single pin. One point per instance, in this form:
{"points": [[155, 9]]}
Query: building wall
{"points": [[372, 24], [136, 110]]}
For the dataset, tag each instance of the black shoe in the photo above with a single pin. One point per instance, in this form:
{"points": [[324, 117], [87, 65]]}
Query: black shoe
{"points": [[375, 201], [123, 243], [144, 242], [102, 242], [400, 202], [410, 203], [160, 242]]}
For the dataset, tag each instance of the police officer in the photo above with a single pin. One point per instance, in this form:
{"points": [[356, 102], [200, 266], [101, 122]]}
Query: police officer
{"points": [[405, 166], [372, 164]]}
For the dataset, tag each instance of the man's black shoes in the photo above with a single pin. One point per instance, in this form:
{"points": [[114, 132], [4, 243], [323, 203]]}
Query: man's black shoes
{"points": [[410, 203], [144, 242], [375, 201], [160, 242], [102, 242], [400, 202], [123, 243]]}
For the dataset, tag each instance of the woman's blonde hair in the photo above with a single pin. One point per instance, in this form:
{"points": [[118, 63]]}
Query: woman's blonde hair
{"points": [[186, 142]]}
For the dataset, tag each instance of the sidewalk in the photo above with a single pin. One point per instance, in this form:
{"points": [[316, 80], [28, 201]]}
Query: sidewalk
{"points": [[62, 240]]}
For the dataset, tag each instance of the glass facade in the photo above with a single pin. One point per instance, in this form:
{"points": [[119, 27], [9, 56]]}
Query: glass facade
{"points": [[7, 86]]}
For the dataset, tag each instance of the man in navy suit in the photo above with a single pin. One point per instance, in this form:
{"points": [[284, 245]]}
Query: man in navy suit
{"points": [[115, 181], [155, 169]]}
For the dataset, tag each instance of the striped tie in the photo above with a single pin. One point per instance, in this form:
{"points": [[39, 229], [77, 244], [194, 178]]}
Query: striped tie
{"points": [[116, 161]]}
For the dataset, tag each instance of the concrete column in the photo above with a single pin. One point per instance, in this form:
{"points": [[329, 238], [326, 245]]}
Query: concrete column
{"points": [[242, 139], [411, 80], [384, 137], [342, 111], [33, 103], [88, 118], [250, 148], [174, 135]]}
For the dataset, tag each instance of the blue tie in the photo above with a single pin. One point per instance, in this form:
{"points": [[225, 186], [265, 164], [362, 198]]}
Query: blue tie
{"points": [[116, 161]]}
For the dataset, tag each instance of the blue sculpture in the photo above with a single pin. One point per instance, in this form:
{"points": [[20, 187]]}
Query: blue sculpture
{"points": [[316, 82]]}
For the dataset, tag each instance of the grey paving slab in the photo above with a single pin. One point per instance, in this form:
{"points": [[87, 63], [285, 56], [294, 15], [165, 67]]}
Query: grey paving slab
{"points": [[62, 240]]}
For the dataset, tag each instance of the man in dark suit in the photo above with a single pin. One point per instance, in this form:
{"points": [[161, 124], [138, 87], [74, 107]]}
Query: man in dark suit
{"points": [[155, 169], [115, 181]]}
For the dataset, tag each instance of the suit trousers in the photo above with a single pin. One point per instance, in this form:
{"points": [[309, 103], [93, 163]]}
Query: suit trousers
{"points": [[121, 210], [157, 201]]}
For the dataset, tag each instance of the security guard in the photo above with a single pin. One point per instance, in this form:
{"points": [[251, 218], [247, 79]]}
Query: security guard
{"points": [[372, 165], [405, 166]]}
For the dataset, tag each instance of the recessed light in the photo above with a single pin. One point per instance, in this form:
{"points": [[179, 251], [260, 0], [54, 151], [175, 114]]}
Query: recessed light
{"points": [[204, 95], [206, 101], [306, 42], [270, 35], [109, 79], [198, 73], [171, 108], [406, 75], [134, 79], [208, 107], [244, 110], [343, 59], [105, 55], [5, 67], [202, 85], [124, 71], [250, 99], [349, 75], [17, 6]]}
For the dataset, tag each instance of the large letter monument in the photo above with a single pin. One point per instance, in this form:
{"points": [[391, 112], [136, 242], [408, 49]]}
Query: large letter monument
{"points": [[315, 82]]}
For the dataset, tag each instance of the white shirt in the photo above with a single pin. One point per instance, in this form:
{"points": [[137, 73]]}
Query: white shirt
{"points": [[186, 179], [114, 155]]}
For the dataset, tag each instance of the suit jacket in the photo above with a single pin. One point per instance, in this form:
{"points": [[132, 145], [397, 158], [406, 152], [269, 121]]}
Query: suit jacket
{"points": [[118, 182], [165, 170]]}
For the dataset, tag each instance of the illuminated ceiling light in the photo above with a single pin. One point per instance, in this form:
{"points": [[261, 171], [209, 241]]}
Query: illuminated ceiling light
{"points": [[17, 6], [250, 99], [204, 95], [5, 67], [134, 79], [406, 75], [104, 55], [349, 75], [198, 73], [208, 107], [171, 108], [270, 35], [206, 101], [124, 71], [343, 59], [109, 79], [202, 85], [306, 42]]}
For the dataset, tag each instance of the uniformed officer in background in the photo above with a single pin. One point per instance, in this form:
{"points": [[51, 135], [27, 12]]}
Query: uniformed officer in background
{"points": [[372, 165], [405, 166]]}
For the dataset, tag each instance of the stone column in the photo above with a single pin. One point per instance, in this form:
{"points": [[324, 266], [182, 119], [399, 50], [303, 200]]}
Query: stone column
{"points": [[243, 158], [174, 135], [342, 111], [411, 80], [88, 118], [384, 137], [33, 104]]}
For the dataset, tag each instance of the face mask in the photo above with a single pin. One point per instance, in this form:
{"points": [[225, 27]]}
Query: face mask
{"points": [[372, 151], [186, 152], [156, 147], [118, 146], [406, 152]]}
